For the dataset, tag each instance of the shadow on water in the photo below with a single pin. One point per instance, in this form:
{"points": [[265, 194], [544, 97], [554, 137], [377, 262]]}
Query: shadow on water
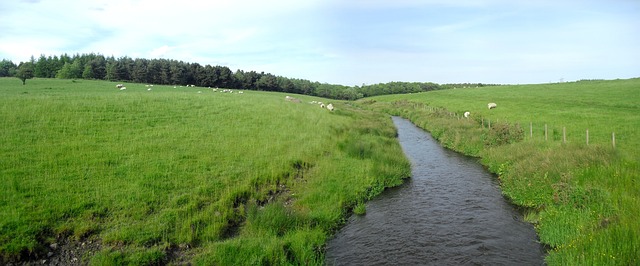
{"points": [[451, 212]]}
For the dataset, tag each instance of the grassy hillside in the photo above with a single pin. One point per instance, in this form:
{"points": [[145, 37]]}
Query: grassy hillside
{"points": [[583, 199], [182, 174]]}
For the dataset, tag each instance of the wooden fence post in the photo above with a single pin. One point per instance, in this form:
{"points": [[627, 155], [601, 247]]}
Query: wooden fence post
{"points": [[613, 139], [545, 132], [587, 136]]}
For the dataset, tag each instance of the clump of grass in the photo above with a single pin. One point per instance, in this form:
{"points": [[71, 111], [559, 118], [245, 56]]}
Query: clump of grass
{"points": [[360, 209]]}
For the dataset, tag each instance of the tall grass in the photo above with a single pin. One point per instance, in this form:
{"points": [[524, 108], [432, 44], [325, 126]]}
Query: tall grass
{"points": [[583, 199], [211, 177]]}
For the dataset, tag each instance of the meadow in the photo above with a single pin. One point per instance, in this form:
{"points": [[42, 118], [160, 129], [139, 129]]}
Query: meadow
{"points": [[583, 198], [176, 175]]}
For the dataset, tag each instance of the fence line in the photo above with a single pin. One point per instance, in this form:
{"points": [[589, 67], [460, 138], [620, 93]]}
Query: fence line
{"points": [[487, 122], [564, 134]]}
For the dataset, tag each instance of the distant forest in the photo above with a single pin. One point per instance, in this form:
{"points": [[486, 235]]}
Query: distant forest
{"points": [[173, 72]]}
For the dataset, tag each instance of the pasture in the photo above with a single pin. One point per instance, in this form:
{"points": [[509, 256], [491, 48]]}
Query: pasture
{"points": [[582, 198], [172, 175]]}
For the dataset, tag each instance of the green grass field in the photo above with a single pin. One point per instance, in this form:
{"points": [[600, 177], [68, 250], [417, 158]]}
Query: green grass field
{"points": [[583, 199], [173, 175]]}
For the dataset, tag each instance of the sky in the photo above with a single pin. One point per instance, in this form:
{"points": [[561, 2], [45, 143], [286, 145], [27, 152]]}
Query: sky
{"points": [[348, 42]]}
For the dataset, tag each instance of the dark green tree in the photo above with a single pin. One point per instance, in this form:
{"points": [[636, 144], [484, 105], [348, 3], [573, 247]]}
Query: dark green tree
{"points": [[88, 72], [225, 78], [285, 85], [95, 68], [209, 76], [154, 72], [139, 73], [246, 80], [25, 71], [7, 68], [324, 90], [70, 71], [41, 67], [177, 73], [267, 82]]}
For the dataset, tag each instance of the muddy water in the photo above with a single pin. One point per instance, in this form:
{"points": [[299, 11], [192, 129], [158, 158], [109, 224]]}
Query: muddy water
{"points": [[450, 212]]}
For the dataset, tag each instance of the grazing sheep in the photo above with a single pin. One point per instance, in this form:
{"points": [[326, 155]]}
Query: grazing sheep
{"points": [[330, 107], [467, 114], [123, 88], [240, 92], [119, 86], [149, 89], [322, 105], [492, 105]]}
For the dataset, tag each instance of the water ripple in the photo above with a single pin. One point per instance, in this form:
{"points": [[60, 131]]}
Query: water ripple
{"points": [[451, 212]]}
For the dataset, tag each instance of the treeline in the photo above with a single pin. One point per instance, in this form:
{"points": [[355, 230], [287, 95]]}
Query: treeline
{"points": [[174, 72]]}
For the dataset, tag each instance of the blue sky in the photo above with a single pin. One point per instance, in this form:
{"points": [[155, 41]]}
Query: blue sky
{"points": [[349, 42]]}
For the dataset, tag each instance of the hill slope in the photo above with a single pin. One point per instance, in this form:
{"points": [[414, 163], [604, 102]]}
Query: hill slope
{"points": [[154, 175], [583, 199]]}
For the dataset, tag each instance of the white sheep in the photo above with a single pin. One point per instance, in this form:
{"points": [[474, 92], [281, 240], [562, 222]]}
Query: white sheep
{"points": [[149, 89], [467, 114], [123, 88], [322, 105], [119, 86], [330, 107], [492, 105]]}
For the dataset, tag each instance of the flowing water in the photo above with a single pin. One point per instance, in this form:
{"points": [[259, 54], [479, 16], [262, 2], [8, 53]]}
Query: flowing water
{"points": [[450, 212]]}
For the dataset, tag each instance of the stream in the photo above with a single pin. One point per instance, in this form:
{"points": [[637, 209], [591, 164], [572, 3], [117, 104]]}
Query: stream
{"points": [[450, 212]]}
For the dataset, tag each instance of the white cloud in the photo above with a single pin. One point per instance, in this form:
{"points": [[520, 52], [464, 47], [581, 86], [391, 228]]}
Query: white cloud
{"points": [[350, 42], [159, 52]]}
